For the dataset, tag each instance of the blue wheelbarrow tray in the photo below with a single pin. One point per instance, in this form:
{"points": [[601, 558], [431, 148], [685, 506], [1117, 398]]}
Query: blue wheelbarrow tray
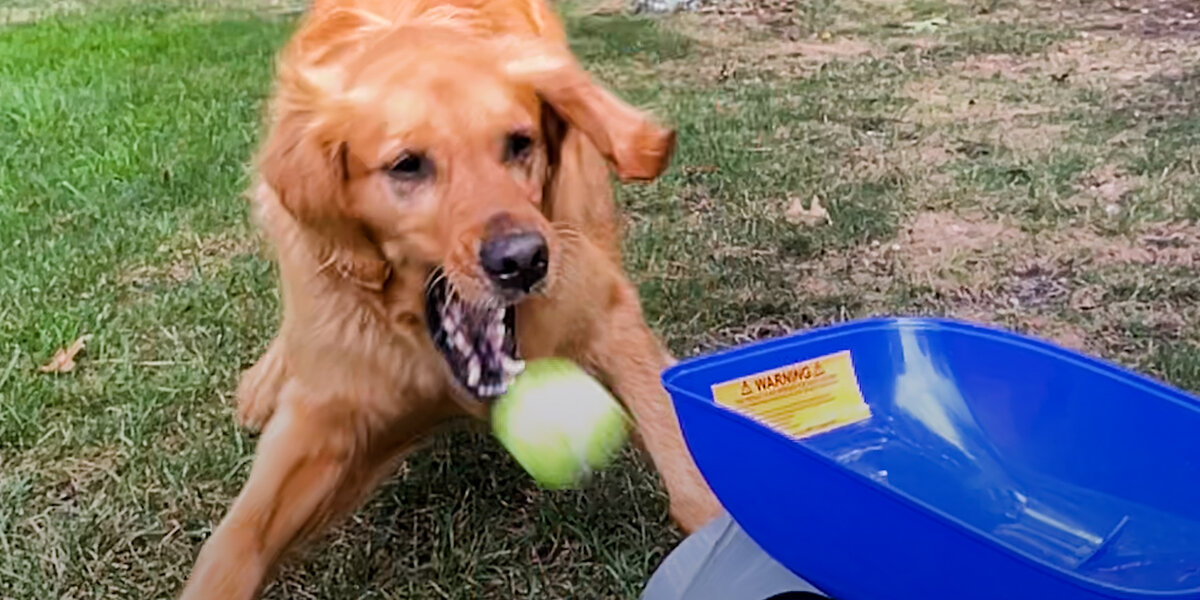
{"points": [[991, 466]]}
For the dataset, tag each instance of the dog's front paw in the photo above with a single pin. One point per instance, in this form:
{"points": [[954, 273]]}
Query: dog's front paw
{"points": [[253, 413], [258, 391]]}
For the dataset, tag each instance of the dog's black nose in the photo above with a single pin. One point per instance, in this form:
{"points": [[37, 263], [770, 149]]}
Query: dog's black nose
{"points": [[515, 261]]}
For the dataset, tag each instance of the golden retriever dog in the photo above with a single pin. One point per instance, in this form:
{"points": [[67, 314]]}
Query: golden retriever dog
{"points": [[436, 183]]}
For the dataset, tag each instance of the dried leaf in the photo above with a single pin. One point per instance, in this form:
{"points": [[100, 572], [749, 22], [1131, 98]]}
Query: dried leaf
{"points": [[64, 359], [1086, 298], [812, 216]]}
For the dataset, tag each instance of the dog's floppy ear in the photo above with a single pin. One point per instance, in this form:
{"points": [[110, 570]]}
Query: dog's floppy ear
{"points": [[637, 146], [554, 130], [306, 174], [304, 157]]}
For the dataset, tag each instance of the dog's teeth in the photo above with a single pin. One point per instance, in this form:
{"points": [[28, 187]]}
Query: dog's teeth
{"points": [[496, 334], [473, 371], [461, 343], [507, 379], [511, 366]]}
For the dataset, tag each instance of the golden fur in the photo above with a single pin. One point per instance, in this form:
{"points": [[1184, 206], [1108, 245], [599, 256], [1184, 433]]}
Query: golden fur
{"points": [[352, 381]]}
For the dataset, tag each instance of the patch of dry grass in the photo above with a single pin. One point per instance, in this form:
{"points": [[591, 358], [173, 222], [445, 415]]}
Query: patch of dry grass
{"points": [[190, 257]]}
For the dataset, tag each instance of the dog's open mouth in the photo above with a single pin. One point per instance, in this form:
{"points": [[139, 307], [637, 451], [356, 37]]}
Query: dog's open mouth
{"points": [[477, 342]]}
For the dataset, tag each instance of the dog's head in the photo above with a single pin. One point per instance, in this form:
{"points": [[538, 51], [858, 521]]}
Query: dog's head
{"points": [[431, 148]]}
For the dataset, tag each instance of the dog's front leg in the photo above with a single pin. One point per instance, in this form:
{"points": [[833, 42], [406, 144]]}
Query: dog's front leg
{"points": [[260, 386], [316, 462], [630, 358], [303, 459]]}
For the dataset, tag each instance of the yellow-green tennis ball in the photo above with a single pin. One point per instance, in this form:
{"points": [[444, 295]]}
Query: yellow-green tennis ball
{"points": [[559, 423]]}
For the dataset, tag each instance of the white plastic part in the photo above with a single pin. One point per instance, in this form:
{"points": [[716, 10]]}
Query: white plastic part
{"points": [[721, 562]]}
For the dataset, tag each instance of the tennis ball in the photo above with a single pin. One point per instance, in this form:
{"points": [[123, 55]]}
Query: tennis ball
{"points": [[559, 423]]}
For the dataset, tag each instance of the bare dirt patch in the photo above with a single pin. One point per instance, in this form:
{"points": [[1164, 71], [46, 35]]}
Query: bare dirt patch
{"points": [[1057, 284], [915, 159], [1054, 328], [195, 255], [804, 56], [1064, 333], [993, 66], [62, 479], [876, 158], [780, 18], [1120, 47], [957, 99], [1061, 60], [1108, 186], [946, 253], [762, 38], [1014, 101], [1179, 19], [986, 110], [949, 251], [1156, 244], [1010, 89], [799, 57], [1113, 61], [731, 55], [951, 254], [1031, 138]]}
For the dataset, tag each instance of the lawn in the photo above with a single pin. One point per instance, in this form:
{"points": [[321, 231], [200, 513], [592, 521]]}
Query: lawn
{"points": [[1029, 164]]}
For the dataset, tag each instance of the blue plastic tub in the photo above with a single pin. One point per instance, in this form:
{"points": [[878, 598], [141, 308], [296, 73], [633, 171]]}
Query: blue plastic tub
{"points": [[992, 466]]}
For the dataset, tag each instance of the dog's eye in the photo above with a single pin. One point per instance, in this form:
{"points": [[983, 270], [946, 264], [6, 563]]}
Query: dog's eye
{"points": [[517, 146], [410, 166]]}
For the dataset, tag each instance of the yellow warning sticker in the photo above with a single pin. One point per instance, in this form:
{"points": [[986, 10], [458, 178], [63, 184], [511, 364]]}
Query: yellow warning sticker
{"points": [[800, 399]]}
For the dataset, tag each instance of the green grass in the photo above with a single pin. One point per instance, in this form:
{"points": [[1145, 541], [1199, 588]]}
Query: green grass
{"points": [[127, 128]]}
